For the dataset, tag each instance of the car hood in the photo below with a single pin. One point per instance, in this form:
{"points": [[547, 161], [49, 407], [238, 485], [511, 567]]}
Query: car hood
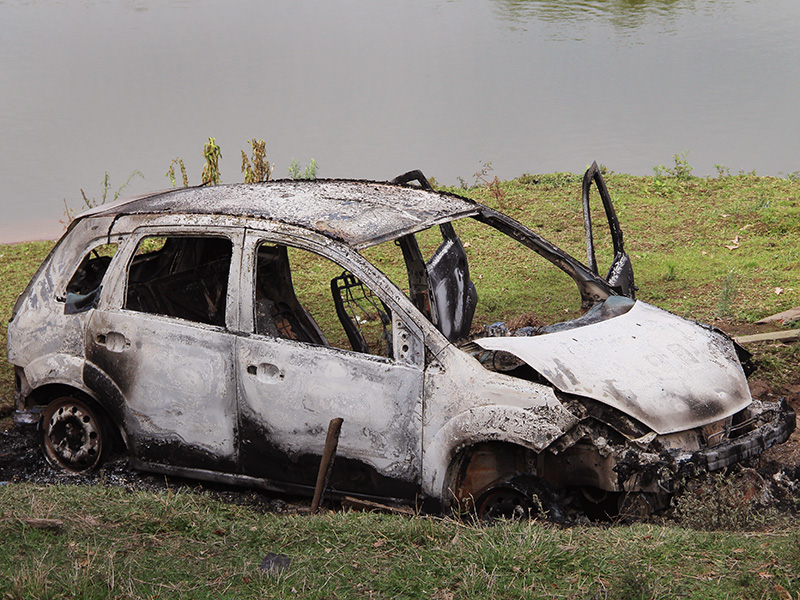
{"points": [[669, 373]]}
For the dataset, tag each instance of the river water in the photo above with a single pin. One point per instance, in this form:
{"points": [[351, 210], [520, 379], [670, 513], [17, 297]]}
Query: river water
{"points": [[371, 89]]}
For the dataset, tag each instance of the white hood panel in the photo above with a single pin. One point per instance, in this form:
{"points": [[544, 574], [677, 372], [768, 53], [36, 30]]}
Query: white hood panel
{"points": [[669, 373]]}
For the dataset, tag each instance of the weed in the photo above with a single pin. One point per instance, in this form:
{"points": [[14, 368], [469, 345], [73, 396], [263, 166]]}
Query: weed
{"points": [[171, 172], [93, 202], [310, 172], [682, 168], [723, 501], [722, 171], [671, 272], [555, 180], [482, 179], [260, 169], [211, 173], [727, 295]]}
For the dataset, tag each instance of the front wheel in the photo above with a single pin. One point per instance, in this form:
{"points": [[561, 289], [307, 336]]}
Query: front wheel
{"points": [[73, 435]]}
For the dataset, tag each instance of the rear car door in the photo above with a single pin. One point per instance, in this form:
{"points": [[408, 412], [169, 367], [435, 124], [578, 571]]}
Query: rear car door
{"points": [[166, 344]]}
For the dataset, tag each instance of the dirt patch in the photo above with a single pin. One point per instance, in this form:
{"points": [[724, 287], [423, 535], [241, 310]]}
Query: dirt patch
{"points": [[21, 460]]}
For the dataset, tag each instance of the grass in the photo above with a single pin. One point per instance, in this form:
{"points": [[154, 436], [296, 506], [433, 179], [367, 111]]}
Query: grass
{"points": [[720, 250], [122, 544], [18, 263]]}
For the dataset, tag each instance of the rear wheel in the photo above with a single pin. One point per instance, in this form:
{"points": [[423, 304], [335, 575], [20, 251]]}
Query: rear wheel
{"points": [[74, 436]]}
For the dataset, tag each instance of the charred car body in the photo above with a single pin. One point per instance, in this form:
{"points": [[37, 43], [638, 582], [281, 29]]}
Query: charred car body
{"points": [[177, 326]]}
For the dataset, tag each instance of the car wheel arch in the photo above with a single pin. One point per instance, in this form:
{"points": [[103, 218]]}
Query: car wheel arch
{"points": [[492, 424], [43, 396], [48, 384], [482, 466]]}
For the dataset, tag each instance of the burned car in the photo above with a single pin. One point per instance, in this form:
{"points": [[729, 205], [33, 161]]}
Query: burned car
{"points": [[214, 332]]}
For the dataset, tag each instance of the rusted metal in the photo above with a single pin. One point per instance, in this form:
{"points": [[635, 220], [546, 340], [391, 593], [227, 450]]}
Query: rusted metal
{"points": [[326, 463]]}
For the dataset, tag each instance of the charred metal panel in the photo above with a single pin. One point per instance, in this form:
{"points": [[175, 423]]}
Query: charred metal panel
{"points": [[39, 326], [667, 372], [179, 383], [620, 273], [359, 213], [452, 294], [466, 404], [289, 391], [55, 368]]}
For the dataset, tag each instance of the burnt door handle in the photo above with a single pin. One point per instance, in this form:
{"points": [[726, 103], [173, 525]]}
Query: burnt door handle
{"points": [[265, 372], [113, 341]]}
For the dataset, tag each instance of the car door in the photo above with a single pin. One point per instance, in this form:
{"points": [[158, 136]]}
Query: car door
{"points": [[620, 273], [297, 371], [166, 344]]}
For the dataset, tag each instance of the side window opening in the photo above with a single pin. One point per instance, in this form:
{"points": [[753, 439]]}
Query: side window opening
{"points": [[183, 277], [278, 311], [365, 318], [83, 289], [305, 297]]}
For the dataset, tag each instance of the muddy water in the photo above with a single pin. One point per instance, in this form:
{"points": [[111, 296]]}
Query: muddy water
{"points": [[373, 89]]}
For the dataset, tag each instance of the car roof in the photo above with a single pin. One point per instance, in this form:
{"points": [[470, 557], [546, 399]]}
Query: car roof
{"points": [[358, 213]]}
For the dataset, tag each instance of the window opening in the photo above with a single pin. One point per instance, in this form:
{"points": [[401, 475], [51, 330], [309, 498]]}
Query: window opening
{"points": [[183, 277], [83, 289], [292, 284], [278, 311], [363, 315]]}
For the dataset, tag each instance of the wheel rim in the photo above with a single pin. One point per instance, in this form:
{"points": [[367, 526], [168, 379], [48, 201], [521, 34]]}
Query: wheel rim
{"points": [[72, 436], [504, 502]]}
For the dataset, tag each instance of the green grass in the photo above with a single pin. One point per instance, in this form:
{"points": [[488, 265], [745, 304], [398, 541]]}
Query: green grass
{"points": [[120, 544]]}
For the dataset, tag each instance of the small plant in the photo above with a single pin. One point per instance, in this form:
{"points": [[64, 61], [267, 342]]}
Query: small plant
{"points": [[723, 501], [171, 172], [260, 169], [211, 173], [722, 171], [682, 169], [482, 178], [310, 172], [93, 202], [671, 272]]}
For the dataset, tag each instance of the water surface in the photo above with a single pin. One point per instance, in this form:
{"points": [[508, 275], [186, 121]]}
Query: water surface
{"points": [[372, 89]]}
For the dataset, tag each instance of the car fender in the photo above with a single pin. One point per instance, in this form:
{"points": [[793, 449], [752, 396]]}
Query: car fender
{"points": [[56, 369], [534, 428]]}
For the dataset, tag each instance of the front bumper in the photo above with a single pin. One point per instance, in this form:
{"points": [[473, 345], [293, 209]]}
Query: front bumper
{"points": [[776, 424]]}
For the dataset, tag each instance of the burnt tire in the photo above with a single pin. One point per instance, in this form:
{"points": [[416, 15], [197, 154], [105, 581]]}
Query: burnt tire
{"points": [[520, 497], [74, 435], [504, 502]]}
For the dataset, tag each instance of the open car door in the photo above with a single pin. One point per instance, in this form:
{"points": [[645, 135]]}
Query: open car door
{"points": [[620, 273]]}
